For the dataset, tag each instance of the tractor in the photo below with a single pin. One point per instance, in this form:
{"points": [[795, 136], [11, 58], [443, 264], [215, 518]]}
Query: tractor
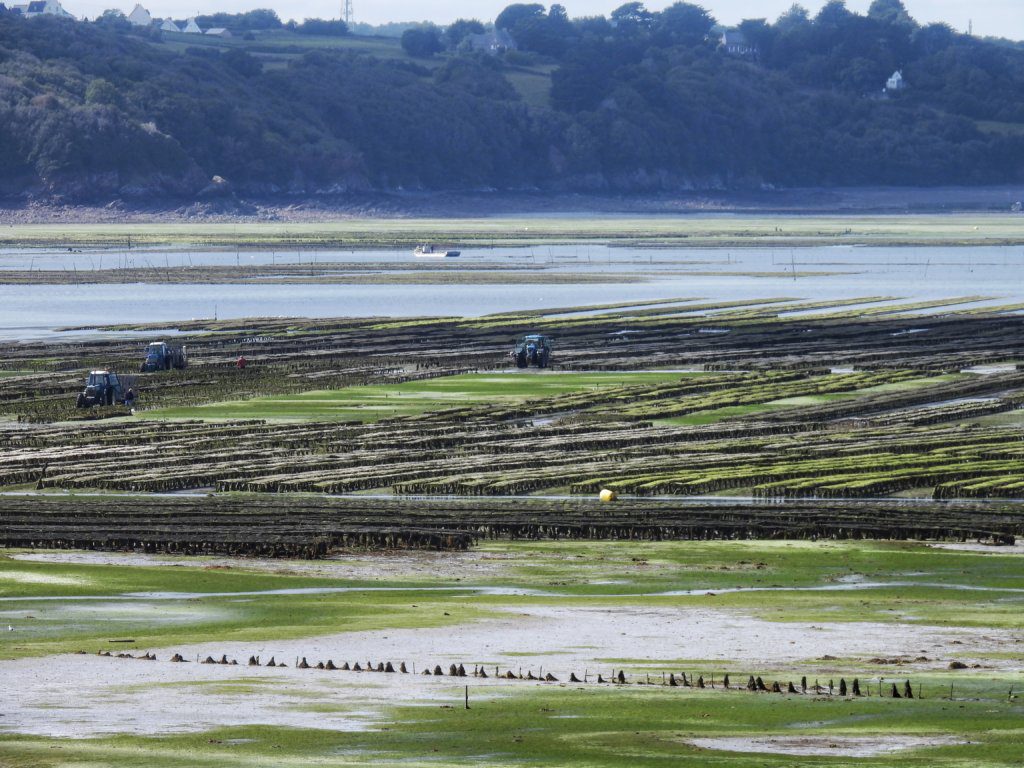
{"points": [[101, 388], [161, 356], [534, 349]]}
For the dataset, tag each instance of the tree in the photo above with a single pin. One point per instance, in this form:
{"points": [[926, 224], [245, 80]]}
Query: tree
{"points": [[834, 13], [325, 27], [100, 91], [113, 18], [796, 16], [242, 63], [423, 41], [631, 17], [683, 23], [933, 38], [549, 34], [890, 12], [517, 13], [460, 29], [260, 18], [759, 33]]}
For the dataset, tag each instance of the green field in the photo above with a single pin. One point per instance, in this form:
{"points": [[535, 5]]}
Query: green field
{"points": [[912, 579], [370, 403], [270, 44], [689, 230]]}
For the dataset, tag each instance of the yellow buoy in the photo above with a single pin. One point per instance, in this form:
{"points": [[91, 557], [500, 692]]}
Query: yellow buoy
{"points": [[607, 494]]}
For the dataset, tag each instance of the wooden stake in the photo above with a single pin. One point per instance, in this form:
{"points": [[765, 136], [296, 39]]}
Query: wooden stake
{"points": [[467, 697]]}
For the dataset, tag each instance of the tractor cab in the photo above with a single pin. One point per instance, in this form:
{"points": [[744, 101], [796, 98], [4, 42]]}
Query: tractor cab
{"points": [[161, 356], [101, 379], [101, 388], [533, 349], [156, 357]]}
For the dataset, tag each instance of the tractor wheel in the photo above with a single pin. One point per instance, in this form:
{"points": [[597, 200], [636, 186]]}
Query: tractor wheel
{"points": [[80, 403], [542, 359], [521, 360]]}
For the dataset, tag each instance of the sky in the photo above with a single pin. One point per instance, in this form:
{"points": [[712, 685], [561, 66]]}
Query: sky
{"points": [[1000, 18]]}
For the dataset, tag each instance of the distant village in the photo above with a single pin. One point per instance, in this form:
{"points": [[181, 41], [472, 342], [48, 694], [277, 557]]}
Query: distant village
{"points": [[730, 40], [138, 17]]}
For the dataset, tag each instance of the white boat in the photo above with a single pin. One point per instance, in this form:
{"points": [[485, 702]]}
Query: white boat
{"points": [[430, 251]]}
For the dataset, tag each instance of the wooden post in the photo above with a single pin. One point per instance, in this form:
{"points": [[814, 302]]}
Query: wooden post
{"points": [[467, 697]]}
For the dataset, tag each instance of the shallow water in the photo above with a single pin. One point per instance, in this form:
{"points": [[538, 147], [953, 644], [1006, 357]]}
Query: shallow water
{"points": [[513, 591], [32, 311]]}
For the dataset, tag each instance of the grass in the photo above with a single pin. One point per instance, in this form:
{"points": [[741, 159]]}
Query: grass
{"points": [[533, 87], [369, 403], [690, 230], [563, 573], [277, 44]]}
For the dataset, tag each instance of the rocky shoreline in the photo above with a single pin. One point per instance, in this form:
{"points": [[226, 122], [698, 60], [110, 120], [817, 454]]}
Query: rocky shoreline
{"points": [[231, 208]]}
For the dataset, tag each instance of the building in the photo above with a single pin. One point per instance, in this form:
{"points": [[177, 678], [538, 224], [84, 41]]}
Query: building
{"points": [[167, 25], [191, 28], [494, 41], [217, 32], [140, 17], [895, 82], [40, 8], [735, 43]]}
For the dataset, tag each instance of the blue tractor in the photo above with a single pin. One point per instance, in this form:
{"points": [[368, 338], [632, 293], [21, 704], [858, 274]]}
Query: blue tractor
{"points": [[161, 356], [533, 349], [102, 388]]}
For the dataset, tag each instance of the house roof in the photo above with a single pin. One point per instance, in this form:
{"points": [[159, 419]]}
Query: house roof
{"points": [[734, 37], [37, 6], [216, 31]]}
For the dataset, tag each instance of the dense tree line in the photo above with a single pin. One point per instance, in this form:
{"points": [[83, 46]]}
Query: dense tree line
{"points": [[639, 100]]}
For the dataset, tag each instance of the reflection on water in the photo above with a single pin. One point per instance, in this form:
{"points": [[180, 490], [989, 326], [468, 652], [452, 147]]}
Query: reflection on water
{"points": [[911, 273]]}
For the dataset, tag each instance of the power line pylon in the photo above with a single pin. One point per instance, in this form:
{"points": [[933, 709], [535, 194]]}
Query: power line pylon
{"points": [[346, 11]]}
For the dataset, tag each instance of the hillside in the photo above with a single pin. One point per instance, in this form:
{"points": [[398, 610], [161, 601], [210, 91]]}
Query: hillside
{"points": [[636, 102]]}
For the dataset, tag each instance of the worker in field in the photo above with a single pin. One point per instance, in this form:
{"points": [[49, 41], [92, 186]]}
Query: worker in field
{"points": [[129, 398], [241, 363]]}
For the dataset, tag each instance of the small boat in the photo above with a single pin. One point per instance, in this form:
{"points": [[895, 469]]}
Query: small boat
{"points": [[427, 250]]}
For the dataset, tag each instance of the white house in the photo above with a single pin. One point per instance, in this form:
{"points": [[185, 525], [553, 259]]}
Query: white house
{"points": [[41, 8], [140, 17], [895, 82], [217, 32], [168, 25], [734, 42], [494, 41], [191, 28]]}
